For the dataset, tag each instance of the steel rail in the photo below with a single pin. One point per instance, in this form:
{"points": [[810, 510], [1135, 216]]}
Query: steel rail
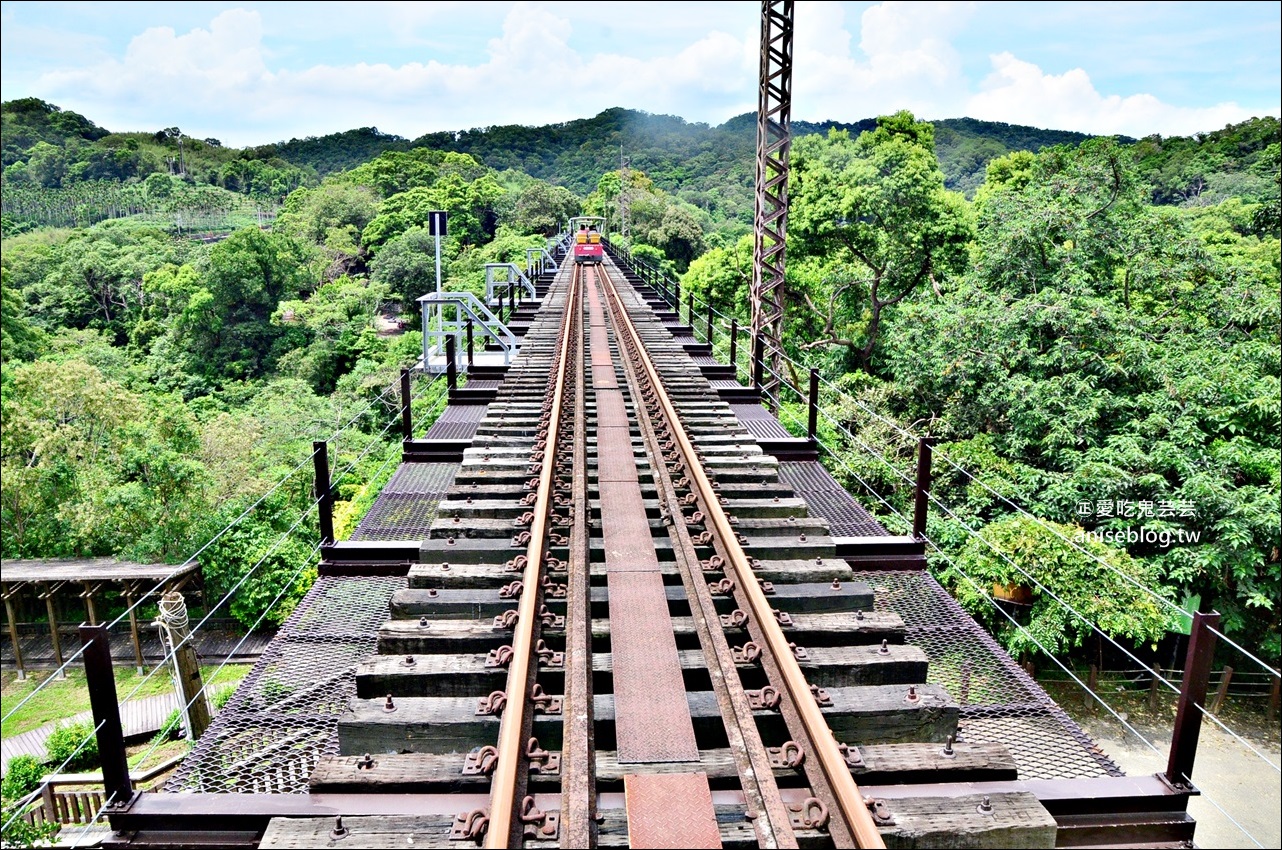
{"points": [[846, 792], [757, 781], [511, 746], [578, 750]]}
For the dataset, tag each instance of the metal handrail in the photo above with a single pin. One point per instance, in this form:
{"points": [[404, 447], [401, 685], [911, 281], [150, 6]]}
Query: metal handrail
{"points": [[436, 327], [493, 281]]}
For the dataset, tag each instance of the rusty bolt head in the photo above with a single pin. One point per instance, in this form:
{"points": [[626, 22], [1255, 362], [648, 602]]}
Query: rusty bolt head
{"points": [[422, 622], [948, 746], [388, 705], [885, 648], [836, 584], [366, 762], [408, 661], [339, 831], [985, 806]]}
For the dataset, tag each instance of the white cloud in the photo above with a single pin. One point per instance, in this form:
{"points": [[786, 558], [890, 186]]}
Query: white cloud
{"points": [[1019, 92], [542, 65], [214, 70], [907, 60], [530, 76]]}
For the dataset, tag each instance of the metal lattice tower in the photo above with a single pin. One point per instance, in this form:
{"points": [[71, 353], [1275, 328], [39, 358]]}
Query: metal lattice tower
{"points": [[774, 140]]}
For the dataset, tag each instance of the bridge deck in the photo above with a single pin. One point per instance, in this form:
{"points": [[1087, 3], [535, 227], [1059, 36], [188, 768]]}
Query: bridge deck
{"points": [[285, 716]]}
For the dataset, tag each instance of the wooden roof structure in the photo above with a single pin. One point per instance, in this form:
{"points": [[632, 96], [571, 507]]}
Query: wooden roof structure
{"points": [[48, 577], [88, 569]]}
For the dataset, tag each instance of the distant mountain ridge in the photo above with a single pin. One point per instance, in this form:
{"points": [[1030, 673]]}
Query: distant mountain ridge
{"points": [[711, 168], [676, 154]]}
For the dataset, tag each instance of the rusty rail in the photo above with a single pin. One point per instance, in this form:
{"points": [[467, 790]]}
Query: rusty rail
{"points": [[834, 767], [505, 827]]}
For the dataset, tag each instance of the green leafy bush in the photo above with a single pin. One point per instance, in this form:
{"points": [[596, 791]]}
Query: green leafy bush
{"points": [[22, 775], [64, 745], [1112, 596]]}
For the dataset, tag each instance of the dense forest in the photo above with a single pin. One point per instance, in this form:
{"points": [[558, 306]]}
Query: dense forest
{"points": [[1083, 323]]}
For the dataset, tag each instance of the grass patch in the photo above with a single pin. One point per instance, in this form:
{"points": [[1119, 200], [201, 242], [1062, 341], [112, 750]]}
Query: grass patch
{"points": [[64, 698], [144, 756]]}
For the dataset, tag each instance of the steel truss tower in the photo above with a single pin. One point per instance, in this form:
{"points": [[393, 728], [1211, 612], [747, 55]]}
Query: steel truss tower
{"points": [[774, 140]]}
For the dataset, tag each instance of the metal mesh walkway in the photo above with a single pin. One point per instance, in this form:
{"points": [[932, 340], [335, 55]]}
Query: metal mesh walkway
{"points": [[284, 716], [406, 507], [458, 421], [1000, 703], [825, 497]]}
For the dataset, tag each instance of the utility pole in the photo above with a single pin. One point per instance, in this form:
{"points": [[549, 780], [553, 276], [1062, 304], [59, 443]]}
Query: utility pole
{"points": [[774, 141], [191, 690]]}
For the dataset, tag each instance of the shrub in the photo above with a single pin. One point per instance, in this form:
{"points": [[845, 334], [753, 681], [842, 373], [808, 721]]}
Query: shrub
{"points": [[22, 775], [64, 745], [221, 698]]}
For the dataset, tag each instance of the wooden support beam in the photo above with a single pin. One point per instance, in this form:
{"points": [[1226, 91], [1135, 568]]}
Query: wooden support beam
{"points": [[13, 634], [87, 595], [130, 592], [47, 596]]}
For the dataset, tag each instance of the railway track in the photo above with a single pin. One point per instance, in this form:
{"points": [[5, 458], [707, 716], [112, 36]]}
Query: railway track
{"points": [[624, 630]]}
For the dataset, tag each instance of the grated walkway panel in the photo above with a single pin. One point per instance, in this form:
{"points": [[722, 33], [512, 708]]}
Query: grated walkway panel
{"points": [[825, 497], [1000, 703], [458, 421], [758, 420], [284, 716], [406, 507]]}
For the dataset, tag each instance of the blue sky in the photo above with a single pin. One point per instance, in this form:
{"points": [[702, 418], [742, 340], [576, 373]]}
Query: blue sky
{"points": [[253, 72]]}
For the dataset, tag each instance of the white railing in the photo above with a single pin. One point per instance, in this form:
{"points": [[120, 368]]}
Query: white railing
{"points": [[446, 315], [505, 276], [538, 261]]}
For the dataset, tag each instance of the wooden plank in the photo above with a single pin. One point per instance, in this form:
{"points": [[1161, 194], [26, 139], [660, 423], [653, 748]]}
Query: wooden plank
{"points": [[399, 637], [422, 725], [408, 773], [927, 763], [463, 604], [430, 676], [495, 574], [875, 714], [1016, 820]]}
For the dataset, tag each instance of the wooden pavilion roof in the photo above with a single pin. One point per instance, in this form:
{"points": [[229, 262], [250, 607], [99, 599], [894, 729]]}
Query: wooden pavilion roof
{"points": [[88, 569]]}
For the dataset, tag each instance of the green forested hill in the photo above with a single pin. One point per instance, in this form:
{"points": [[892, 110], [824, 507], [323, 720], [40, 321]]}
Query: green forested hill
{"points": [[688, 159], [708, 167]]}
